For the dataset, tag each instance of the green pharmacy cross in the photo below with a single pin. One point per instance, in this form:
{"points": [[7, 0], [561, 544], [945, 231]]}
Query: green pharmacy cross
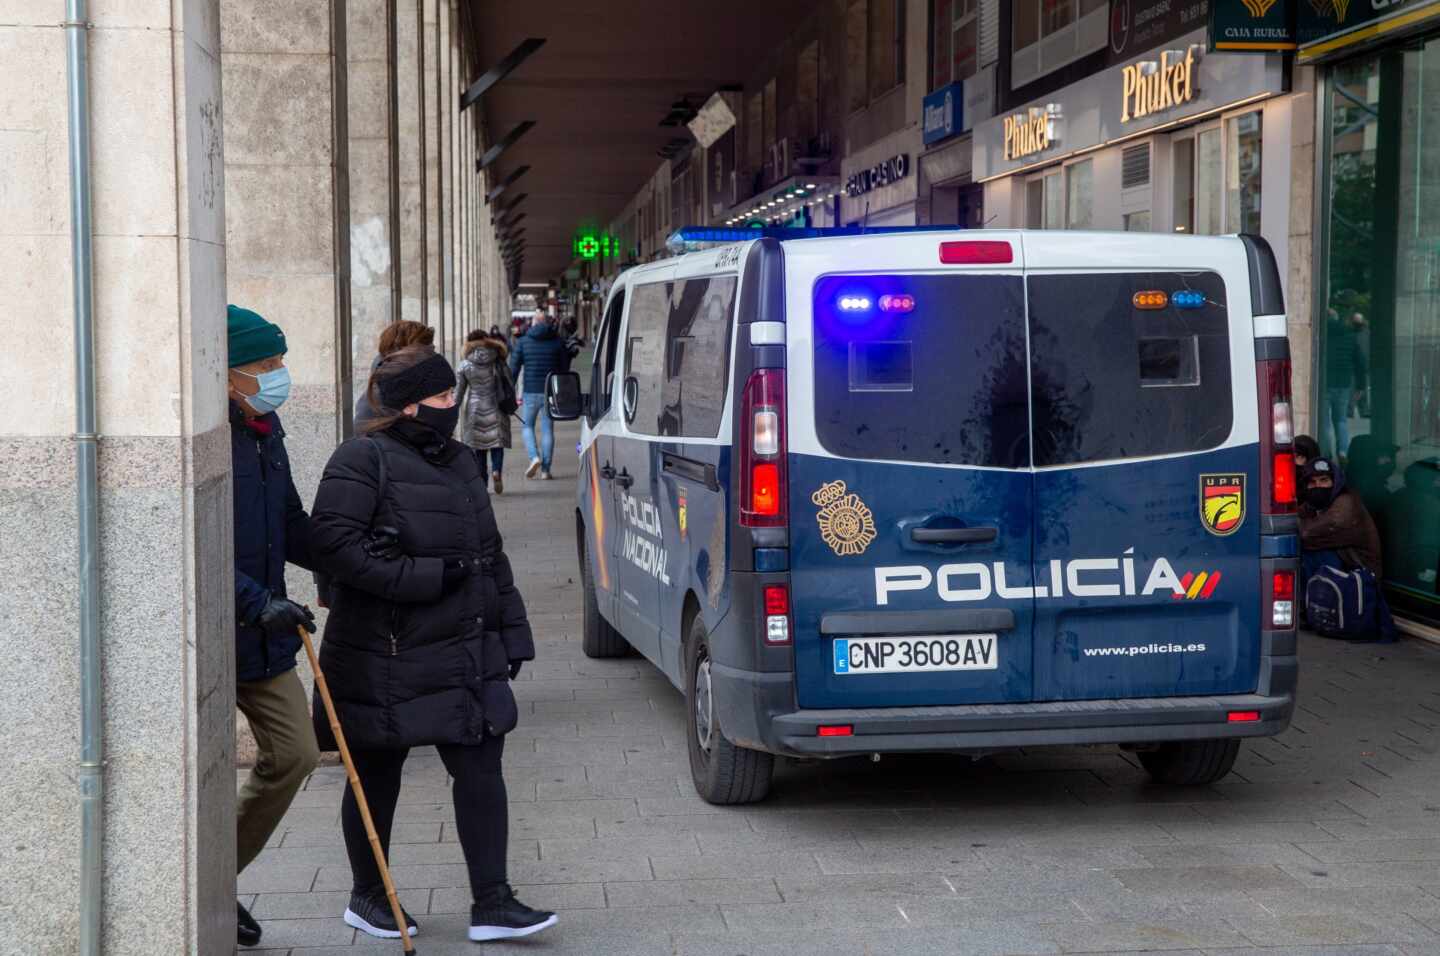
{"points": [[587, 245]]}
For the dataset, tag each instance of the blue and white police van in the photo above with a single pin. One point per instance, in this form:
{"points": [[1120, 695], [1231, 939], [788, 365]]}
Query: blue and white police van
{"points": [[946, 491]]}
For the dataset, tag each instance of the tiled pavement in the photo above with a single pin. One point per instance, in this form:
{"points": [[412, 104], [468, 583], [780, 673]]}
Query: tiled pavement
{"points": [[1325, 841]]}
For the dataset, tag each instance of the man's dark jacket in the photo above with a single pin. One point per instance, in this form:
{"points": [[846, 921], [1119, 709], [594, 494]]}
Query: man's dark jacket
{"points": [[271, 528], [539, 352]]}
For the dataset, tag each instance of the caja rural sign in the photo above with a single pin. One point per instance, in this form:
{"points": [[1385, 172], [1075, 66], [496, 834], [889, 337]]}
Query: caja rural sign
{"points": [[1252, 26]]}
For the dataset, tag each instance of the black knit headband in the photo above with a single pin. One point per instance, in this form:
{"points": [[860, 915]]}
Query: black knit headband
{"points": [[421, 380]]}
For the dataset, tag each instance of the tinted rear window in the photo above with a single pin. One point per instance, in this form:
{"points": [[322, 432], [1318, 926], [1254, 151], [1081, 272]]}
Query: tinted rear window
{"points": [[943, 383], [1115, 381]]}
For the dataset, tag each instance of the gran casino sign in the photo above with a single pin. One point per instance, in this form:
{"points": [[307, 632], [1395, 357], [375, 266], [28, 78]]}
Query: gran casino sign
{"points": [[883, 173]]}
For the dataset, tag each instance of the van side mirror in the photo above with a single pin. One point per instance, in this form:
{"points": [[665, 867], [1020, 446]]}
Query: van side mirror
{"points": [[563, 398]]}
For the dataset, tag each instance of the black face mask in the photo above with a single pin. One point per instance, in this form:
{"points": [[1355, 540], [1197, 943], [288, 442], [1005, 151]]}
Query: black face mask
{"points": [[442, 420], [1318, 498]]}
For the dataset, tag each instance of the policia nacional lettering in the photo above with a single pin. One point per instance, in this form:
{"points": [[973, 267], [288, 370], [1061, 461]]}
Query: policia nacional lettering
{"points": [[642, 545], [1081, 577]]}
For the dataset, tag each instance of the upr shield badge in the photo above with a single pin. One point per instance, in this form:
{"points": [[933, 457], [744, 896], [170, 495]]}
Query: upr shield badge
{"points": [[846, 524], [1222, 503]]}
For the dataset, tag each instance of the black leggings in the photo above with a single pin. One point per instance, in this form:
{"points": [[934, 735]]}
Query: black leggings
{"points": [[481, 811]]}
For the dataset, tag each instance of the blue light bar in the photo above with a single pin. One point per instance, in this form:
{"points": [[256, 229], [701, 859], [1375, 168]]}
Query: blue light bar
{"points": [[1188, 299], [683, 239]]}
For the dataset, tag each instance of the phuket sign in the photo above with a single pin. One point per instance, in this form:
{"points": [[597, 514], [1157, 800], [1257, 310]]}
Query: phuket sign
{"points": [[1151, 87], [1031, 132]]}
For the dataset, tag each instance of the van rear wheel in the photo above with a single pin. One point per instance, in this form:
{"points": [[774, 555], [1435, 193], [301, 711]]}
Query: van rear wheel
{"points": [[724, 772], [598, 638], [1191, 762]]}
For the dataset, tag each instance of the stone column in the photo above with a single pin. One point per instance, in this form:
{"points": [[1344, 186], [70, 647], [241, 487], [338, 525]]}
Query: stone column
{"points": [[166, 578], [370, 224], [1300, 282]]}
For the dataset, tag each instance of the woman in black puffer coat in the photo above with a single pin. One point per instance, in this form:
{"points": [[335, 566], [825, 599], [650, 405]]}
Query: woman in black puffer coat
{"points": [[425, 631]]}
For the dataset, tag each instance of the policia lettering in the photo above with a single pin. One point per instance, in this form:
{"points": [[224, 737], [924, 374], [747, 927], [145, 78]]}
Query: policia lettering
{"points": [[643, 536], [1082, 577]]}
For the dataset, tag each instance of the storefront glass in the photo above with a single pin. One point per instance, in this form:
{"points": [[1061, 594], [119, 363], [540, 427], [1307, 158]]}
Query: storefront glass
{"points": [[1379, 368], [1242, 172], [1080, 195]]}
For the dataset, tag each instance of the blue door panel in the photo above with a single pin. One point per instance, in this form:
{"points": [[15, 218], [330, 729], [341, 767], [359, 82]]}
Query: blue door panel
{"points": [[640, 556], [1138, 526], [697, 541], [850, 525]]}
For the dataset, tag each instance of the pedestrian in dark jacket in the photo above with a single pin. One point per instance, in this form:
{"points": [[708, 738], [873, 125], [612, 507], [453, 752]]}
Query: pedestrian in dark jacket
{"points": [[425, 631], [485, 427], [395, 336], [538, 353], [271, 528]]}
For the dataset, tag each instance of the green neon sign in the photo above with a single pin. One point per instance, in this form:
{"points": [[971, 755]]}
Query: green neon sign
{"points": [[591, 245]]}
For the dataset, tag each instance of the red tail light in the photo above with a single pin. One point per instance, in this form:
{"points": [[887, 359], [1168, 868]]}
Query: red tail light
{"points": [[1277, 456], [976, 252], [762, 451], [777, 614]]}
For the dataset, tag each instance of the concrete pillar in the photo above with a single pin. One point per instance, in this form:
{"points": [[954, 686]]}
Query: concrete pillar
{"points": [[159, 196], [370, 225], [1300, 278]]}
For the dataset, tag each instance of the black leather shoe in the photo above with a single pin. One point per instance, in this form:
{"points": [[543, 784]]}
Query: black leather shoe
{"points": [[247, 931]]}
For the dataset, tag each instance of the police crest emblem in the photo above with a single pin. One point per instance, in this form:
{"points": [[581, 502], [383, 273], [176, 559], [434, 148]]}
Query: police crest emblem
{"points": [[846, 524], [1222, 503]]}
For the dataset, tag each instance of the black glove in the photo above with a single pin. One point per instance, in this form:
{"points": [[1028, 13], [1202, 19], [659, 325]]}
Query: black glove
{"points": [[384, 543], [457, 570], [515, 669], [282, 616]]}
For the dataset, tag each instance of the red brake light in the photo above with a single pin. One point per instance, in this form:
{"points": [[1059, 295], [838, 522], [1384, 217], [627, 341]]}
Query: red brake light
{"points": [[1243, 716], [777, 599], [976, 252], [1282, 479], [1283, 585], [835, 730], [762, 450]]}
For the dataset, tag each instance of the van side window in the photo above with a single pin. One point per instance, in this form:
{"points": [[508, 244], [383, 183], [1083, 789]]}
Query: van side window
{"points": [[645, 357], [1113, 380], [606, 352], [697, 356], [922, 369]]}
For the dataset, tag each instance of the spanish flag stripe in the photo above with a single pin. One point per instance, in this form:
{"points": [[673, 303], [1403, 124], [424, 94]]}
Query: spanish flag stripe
{"points": [[1197, 584]]}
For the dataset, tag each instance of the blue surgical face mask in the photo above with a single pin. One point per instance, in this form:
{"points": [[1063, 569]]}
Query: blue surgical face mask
{"points": [[274, 389]]}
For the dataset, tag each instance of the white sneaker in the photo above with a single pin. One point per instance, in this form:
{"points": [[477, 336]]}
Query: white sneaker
{"points": [[534, 468]]}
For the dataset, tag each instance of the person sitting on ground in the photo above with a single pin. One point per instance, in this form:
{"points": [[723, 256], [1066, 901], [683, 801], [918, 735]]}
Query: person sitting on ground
{"points": [[1307, 450], [478, 382], [395, 336], [1337, 532]]}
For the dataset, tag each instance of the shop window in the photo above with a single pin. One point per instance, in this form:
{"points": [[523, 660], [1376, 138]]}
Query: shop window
{"points": [[885, 62], [856, 89], [1048, 34], [1182, 159], [1137, 221], [1207, 183], [1080, 195], [1242, 172], [1044, 203], [1090, 404]]}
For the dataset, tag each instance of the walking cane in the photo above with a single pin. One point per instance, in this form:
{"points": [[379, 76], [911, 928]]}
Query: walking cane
{"points": [[324, 690]]}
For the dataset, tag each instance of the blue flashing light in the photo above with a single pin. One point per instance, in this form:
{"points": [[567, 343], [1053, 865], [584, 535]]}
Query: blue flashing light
{"points": [[686, 238], [1188, 299]]}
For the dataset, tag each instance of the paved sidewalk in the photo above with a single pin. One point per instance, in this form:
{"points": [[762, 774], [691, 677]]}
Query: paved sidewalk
{"points": [[1325, 841]]}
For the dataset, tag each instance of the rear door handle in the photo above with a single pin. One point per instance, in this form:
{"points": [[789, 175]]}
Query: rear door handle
{"points": [[953, 535], [607, 471], [624, 480]]}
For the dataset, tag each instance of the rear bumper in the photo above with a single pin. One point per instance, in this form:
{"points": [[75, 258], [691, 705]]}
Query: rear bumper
{"points": [[757, 710]]}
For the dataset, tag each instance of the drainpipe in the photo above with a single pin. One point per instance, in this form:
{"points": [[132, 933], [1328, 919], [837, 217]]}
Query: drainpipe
{"points": [[92, 765]]}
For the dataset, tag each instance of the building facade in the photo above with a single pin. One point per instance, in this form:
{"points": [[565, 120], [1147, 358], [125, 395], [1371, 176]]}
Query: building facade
{"points": [[1376, 253]]}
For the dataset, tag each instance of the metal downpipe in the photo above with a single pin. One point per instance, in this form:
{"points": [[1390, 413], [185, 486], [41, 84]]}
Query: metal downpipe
{"points": [[92, 766]]}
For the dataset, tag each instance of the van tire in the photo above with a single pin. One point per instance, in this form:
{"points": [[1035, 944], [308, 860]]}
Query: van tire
{"points": [[724, 773], [598, 639], [1192, 762]]}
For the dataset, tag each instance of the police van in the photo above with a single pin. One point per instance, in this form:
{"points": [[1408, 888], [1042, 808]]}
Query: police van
{"points": [[946, 491]]}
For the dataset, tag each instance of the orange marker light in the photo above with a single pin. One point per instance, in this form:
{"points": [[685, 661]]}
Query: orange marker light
{"points": [[1150, 300]]}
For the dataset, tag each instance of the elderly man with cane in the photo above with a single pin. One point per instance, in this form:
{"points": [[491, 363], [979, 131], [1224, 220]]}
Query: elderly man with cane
{"points": [[271, 529]]}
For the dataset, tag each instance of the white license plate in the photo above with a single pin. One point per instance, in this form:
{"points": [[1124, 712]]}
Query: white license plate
{"points": [[899, 655]]}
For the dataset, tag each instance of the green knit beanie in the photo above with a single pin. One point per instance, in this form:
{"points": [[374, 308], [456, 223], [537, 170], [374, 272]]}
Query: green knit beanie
{"points": [[251, 337]]}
